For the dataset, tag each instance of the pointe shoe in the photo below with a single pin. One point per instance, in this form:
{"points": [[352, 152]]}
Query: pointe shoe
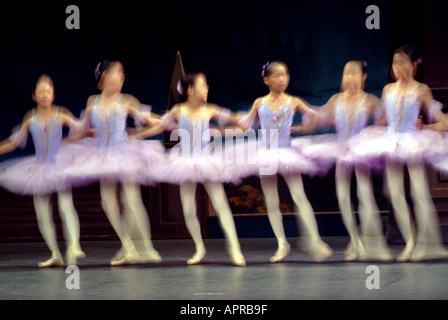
{"points": [[238, 259], [281, 253], [124, 257], [150, 255], [197, 257], [321, 253], [406, 254], [429, 255], [235, 254], [428, 247], [53, 262], [376, 249], [318, 250], [354, 252], [74, 253]]}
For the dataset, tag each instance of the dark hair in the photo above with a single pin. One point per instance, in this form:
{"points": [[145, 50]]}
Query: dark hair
{"points": [[102, 67], [267, 68], [185, 82], [43, 77], [410, 52], [363, 64]]}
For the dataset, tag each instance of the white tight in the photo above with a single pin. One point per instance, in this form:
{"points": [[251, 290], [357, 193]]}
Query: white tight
{"points": [[306, 218], [425, 213], [135, 214], [368, 210], [67, 212], [219, 201]]}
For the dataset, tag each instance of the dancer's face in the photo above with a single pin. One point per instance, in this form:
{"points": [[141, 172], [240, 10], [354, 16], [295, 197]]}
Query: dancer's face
{"points": [[353, 77], [199, 90], [114, 77], [278, 78], [402, 66], [44, 93]]}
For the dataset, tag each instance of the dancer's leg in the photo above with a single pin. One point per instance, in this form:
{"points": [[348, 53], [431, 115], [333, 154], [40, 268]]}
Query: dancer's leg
{"points": [[110, 206], [395, 184], [188, 198], [137, 219], [70, 221], [270, 192], [343, 185], [372, 230], [310, 237], [429, 240], [221, 205], [47, 229]]}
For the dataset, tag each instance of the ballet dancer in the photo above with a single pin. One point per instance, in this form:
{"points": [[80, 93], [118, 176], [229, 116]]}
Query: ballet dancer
{"points": [[275, 113], [194, 162], [41, 175], [403, 144], [112, 159], [349, 112]]}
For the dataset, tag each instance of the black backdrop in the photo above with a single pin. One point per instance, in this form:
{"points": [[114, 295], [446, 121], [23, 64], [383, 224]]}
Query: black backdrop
{"points": [[228, 40]]}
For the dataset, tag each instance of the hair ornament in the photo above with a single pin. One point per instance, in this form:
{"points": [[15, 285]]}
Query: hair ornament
{"points": [[263, 72], [98, 71]]}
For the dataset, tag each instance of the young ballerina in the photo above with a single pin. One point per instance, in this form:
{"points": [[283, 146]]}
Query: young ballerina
{"points": [[112, 159], [275, 112], [40, 175], [195, 162], [349, 112], [403, 144]]}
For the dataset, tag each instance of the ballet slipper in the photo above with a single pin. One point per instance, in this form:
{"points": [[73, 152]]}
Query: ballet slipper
{"points": [[235, 254], [197, 257], [406, 254], [428, 247], [354, 250], [150, 255], [320, 253], [74, 253], [433, 254], [281, 253], [125, 256], [375, 249], [53, 262], [315, 247]]}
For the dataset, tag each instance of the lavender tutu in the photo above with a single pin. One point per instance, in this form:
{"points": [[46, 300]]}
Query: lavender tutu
{"points": [[376, 144], [273, 152], [194, 159], [41, 173], [111, 156], [129, 162], [252, 158]]}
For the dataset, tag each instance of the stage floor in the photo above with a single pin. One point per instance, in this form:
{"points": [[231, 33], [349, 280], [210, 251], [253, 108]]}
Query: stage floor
{"points": [[297, 278]]}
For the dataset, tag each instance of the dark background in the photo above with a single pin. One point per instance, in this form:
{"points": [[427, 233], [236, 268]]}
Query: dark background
{"points": [[228, 40]]}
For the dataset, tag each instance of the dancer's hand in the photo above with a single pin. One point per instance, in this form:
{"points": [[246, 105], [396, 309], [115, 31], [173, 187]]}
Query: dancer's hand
{"points": [[297, 129], [419, 123]]}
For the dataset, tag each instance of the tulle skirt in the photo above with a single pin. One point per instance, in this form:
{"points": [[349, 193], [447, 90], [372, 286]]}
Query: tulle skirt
{"points": [[132, 162], [198, 167], [326, 150], [28, 176], [375, 144], [251, 159]]}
